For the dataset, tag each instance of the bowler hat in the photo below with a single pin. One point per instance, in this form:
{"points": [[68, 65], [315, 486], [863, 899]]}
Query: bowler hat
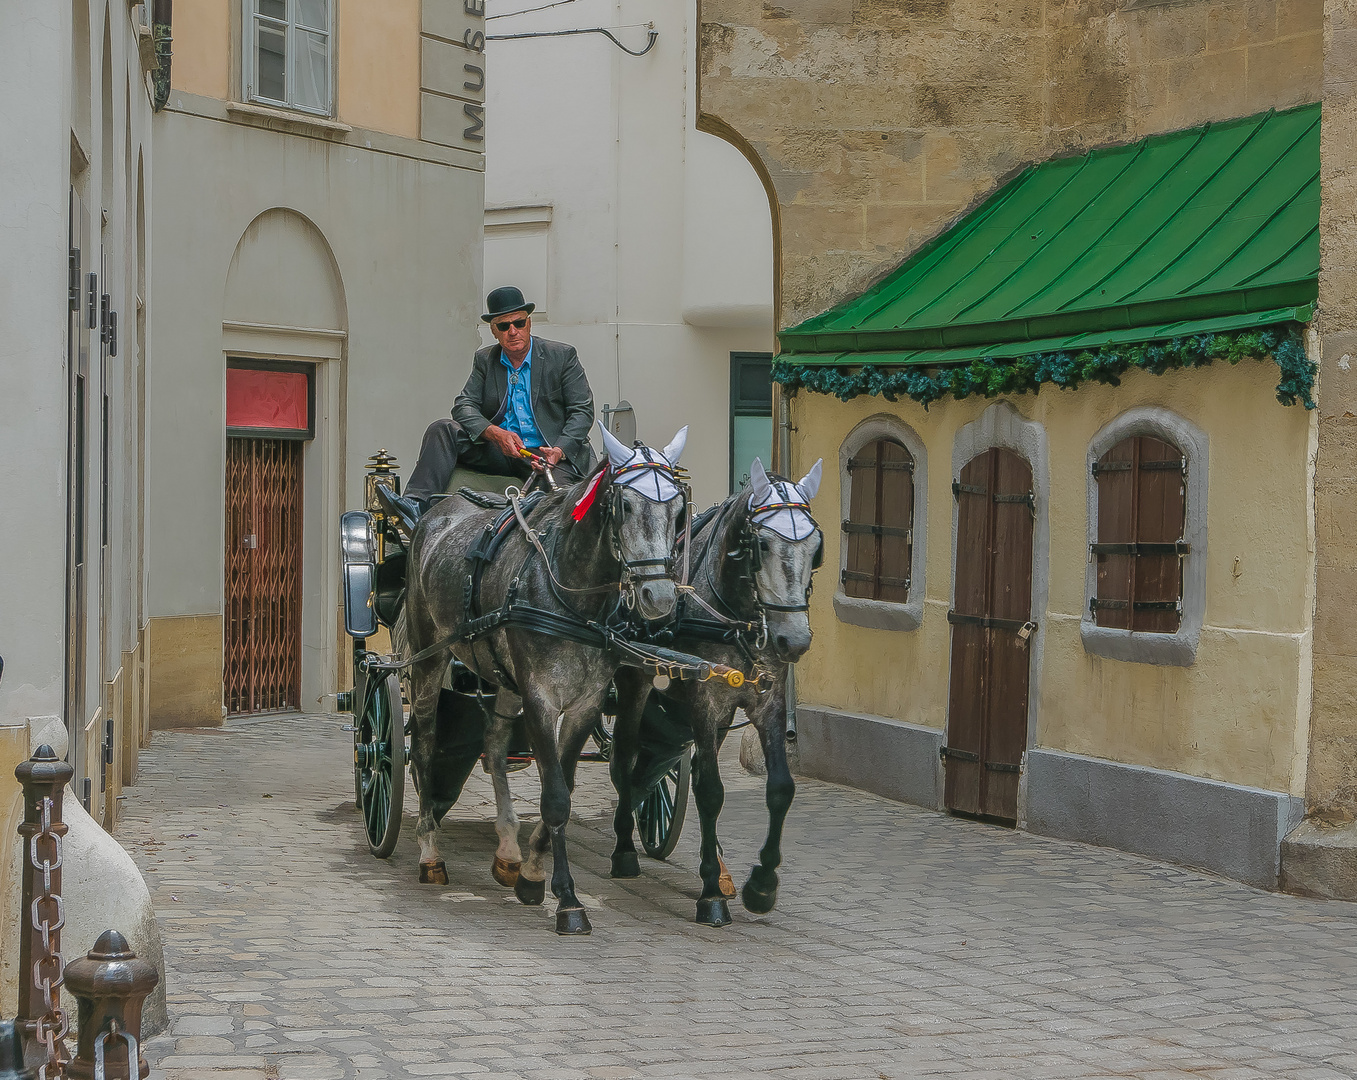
{"points": [[503, 300]]}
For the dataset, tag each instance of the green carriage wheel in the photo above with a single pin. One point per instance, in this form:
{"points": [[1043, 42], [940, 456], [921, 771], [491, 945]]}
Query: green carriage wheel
{"points": [[379, 763], [659, 817]]}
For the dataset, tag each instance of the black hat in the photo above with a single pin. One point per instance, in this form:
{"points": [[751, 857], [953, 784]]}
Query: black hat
{"points": [[503, 300]]}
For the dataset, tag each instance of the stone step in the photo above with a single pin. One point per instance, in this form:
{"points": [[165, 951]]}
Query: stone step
{"points": [[1320, 860]]}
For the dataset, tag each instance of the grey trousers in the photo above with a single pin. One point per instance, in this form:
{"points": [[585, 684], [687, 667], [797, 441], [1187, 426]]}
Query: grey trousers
{"points": [[446, 445]]}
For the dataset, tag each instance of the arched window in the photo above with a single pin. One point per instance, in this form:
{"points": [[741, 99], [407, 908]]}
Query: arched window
{"points": [[1140, 546], [879, 530]]}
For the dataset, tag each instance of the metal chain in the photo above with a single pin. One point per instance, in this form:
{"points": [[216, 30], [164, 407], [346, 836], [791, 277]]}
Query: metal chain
{"points": [[48, 915]]}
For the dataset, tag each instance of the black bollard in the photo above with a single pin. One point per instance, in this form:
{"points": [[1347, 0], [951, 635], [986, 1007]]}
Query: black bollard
{"points": [[110, 985]]}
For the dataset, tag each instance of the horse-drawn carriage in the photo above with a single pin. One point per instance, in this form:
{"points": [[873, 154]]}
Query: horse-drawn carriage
{"points": [[374, 551], [521, 620]]}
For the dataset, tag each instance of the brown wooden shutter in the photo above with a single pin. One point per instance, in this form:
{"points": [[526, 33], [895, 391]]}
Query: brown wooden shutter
{"points": [[878, 532], [1161, 502], [1142, 500]]}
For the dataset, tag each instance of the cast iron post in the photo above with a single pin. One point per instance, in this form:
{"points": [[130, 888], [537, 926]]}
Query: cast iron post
{"points": [[110, 985], [42, 1021]]}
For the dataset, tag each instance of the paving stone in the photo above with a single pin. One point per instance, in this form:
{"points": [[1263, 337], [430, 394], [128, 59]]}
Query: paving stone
{"points": [[905, 943]]}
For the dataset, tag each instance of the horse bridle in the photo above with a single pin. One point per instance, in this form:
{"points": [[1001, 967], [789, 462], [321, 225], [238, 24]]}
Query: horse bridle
{"points": [[665, 565], [751, 541], [748, 548]]}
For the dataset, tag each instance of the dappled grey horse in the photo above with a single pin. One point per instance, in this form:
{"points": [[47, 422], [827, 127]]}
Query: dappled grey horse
{"points": [[752, 564], [598, 553]]}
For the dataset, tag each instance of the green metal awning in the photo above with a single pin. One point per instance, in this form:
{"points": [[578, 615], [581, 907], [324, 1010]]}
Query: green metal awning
{"points": [[1199, 231]]}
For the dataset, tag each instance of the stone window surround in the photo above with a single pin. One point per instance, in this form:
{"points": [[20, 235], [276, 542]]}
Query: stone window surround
{"points": [[1139, 647], [883, 614], [1003, 426]]}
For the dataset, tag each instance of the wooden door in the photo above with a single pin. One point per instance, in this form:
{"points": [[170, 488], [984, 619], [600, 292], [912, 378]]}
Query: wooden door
{"points": [[991, 636], [262, 670]]}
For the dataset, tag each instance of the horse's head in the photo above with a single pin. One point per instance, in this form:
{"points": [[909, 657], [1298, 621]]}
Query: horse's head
{"points": [[648, 505], [786, 547]]}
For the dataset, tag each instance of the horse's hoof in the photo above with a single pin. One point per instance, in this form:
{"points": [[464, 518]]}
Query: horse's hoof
{"points": [[505, 872], [573, 921], [433, 873], [713, 911], [530, 892], [757, 900], [727, 882], [625, 864]]}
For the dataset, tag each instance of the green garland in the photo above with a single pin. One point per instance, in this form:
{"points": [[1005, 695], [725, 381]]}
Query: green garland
{"points": [[1026, 374]]}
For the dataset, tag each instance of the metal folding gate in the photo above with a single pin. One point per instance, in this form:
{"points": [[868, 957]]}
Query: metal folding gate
{"points": [[262, 669]]}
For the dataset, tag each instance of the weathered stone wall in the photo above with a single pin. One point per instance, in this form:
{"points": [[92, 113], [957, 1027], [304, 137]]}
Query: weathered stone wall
{"points": [[1331, 781], [880, 120]]}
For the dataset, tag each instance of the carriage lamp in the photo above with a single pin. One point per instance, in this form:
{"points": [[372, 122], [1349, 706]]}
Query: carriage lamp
{"points": [[381, 473]]}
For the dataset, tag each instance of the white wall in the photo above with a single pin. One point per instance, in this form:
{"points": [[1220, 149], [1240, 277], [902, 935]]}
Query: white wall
{"points": [[34, 69], [403, 234], [657, 258], [56, 80]]}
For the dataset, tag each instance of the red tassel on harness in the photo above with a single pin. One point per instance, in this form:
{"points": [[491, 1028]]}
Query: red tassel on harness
{"points": [[587, 499]]}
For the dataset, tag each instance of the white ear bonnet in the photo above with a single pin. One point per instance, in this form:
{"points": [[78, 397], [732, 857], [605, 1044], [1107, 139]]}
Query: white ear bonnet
{"points": [[647, 472], [780, 505]]}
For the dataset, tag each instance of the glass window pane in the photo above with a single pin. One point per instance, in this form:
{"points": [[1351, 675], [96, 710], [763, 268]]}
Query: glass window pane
{"points": [[311, 72], [274, 9], [314, 14], [270, 63], [753, 438]]}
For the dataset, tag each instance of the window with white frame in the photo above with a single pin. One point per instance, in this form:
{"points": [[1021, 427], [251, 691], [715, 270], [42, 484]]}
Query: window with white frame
{"points": [[287, 54]]}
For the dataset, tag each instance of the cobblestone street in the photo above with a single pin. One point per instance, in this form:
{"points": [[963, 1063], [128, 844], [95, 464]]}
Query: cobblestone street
{"points": [[905, 943]]}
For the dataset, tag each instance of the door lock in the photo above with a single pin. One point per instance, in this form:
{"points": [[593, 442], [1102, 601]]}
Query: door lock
{"points": [[1026, 631], [250, 541]]}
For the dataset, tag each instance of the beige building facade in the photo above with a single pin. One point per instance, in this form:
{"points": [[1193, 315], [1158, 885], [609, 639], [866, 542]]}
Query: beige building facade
{"points": [[880, 128], [339, 249]]}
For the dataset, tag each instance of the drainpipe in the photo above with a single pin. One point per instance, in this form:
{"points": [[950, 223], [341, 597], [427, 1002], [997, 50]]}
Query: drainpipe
{"points": [[162, 15]]}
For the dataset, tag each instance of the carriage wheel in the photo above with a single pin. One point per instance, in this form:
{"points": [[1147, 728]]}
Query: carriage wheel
{"points": [[603, 730], [379, 763], [660, 816], [360, 685], [603, 737]]}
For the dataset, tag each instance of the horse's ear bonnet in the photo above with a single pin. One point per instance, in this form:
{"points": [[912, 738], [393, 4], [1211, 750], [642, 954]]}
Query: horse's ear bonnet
{"points": [[783, 507], [647, 472]]}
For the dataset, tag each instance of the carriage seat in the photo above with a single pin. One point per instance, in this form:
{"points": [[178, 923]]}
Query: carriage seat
{"points": [[478, 481]]}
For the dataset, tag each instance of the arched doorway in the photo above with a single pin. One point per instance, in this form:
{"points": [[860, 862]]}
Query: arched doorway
{"points": [[284, 319]]}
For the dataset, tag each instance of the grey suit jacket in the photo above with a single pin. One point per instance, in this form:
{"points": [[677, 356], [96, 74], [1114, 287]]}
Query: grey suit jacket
{"points": [[562, 403]]}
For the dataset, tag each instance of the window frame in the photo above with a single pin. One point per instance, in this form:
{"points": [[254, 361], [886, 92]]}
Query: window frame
{"points": [[1178, 649], [884, 614], [249, 16]]}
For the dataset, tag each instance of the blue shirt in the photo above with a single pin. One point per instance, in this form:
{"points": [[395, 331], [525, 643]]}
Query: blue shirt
{"points": [[518, 416]]}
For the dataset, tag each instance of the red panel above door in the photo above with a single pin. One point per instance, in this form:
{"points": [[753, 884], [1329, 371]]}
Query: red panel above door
{"points": [[268, 401]]}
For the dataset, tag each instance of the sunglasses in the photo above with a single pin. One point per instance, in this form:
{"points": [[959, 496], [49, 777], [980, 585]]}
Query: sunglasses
{"points": [[517, 324]]}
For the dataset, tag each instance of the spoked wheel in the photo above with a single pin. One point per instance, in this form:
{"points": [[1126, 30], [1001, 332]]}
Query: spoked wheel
{"points": [[379, 762], [603, 736], [659, 817]]}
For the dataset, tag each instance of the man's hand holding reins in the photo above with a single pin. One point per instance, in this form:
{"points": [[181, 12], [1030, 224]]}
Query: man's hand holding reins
{"points": [[506, 442]]}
